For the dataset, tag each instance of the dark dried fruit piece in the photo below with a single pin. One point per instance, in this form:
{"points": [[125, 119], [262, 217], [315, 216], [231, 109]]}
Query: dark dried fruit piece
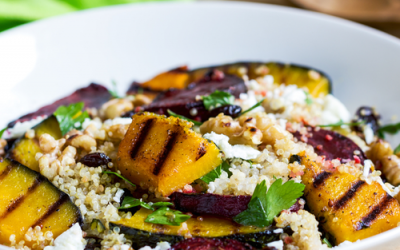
{"points": [[211, 244], [369, 116], [231, 110], [95, 159], [216, 205], [331, 144], [93, 96]]}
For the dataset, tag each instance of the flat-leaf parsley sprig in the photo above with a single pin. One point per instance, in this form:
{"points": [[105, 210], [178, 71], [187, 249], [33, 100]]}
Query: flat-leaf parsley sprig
{"points": [[71, 117], [264, 206]]}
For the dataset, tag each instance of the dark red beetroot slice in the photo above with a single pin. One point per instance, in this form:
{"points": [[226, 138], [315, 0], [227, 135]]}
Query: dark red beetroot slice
{"points": [[213, 204], [331, 144], [93, 96], [183, 101], [211, 244]]}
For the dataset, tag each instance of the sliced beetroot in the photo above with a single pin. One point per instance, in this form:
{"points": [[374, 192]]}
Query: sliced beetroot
{"points": [[210, 204], [227, 206], [93, 96], [184, 101], [211, 244], [331, 144]]}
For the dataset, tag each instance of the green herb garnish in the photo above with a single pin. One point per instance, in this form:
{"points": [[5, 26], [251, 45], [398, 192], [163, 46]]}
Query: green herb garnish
{"points": [[264, 206], [183, 118], [71, 117], [114, 91], [120, 176], [326, 241], [341, 123], [309, 99], [167, 216], [389, 129], [217, 99], [216, 173], [130, 202], [258, 104], [2, 132]]}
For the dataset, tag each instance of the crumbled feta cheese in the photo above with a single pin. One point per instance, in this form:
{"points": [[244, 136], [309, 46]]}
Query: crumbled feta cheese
{"points": [[118, 195], [96, 122], [118, 120], [160, 246], [278, 231], [368, 133], [236, 151], [277, 244], [367, 166], [20, 128], [71, 239], [334, 111]]}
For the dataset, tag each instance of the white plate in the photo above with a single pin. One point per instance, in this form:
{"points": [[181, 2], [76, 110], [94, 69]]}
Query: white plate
{"points": [[45, 60]]}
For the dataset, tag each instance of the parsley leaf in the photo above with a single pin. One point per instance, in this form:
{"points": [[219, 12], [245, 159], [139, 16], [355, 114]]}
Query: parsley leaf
{"points": [[114, 91], [397, 150], [341, 123], [183, 118], [167, 216], [120, 176], [390, 129], [264, 206], [2, 131], [326, 241], [71, 117], [309, 99], [129, 202], [217, 99], [215, 173], [258, 104]]}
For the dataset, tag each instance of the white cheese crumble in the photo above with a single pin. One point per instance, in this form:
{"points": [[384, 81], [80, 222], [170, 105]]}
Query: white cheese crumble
{"points": [[334, 111], [236, 151], [160, 246], [367, 166], [118, 120], [277, 244], [368, 133], [96, 122], [118, 195], [20, 128], [71, 239], [277, 231]]}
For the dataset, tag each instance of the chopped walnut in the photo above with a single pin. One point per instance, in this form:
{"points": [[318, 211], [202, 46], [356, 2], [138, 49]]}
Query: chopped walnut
{"points": [[115, 108]]}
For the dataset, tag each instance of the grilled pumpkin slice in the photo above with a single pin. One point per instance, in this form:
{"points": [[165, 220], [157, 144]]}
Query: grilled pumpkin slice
{"points": [[142, 233], [316, 81], [24, 150], [164, 154], [27, 199], [347, 207]]}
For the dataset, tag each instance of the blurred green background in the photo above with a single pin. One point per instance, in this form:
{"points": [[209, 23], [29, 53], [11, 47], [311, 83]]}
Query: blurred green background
{"points": [[16, 12]]}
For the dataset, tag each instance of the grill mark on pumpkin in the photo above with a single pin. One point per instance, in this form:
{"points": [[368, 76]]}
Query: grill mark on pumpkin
{"points": [[320, 178], [15, 203], [6, 172], [162, 156], [201, 151], [144, 128], [348, 195], [368, 220], [61, 200]]}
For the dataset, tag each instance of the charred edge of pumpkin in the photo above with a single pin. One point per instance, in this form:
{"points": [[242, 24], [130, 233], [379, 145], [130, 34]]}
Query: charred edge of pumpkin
{"points": [[6, 171], [53, 208], [144, 129], [348, 195], [320, 178], [202, 151], [368, 220], [169, 144], [15, 203]]}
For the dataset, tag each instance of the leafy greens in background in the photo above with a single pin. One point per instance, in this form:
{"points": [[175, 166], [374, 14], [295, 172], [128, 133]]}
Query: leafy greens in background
{"points": [[264, 206], [16, 12]]}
